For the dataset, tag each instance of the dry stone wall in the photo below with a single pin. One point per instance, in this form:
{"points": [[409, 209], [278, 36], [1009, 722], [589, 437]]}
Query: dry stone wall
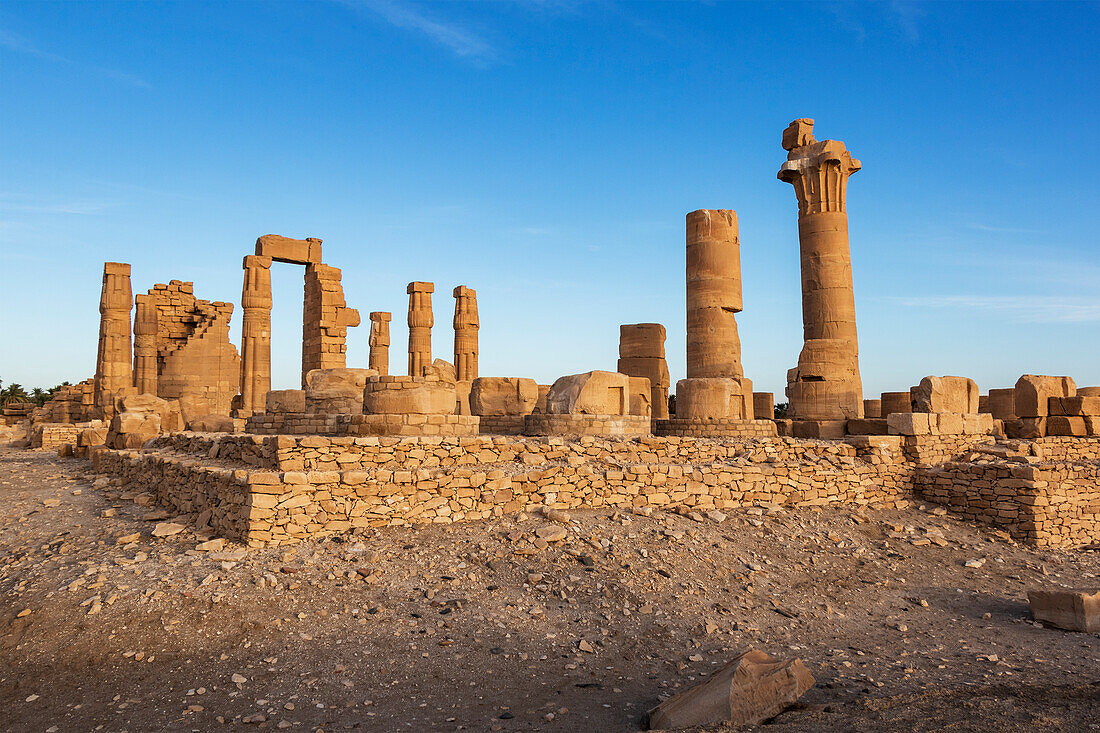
{"points": [[281, 489]]}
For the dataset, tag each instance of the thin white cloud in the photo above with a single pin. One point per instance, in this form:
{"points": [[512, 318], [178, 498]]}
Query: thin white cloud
{"points": [[1025, 309], [907, 15], [1003, 230], [460, 41], [18, 44], [82, 208]]}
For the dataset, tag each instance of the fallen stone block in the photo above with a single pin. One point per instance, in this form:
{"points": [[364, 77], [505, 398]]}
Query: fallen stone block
{"points": [[1073, 610], [945, 394], [908, 423], [503, 396], [1074, 406], [748, 690], [1033, 393]]}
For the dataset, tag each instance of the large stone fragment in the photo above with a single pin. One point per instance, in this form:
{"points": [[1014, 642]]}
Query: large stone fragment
{"points": [[1002, 404], [1033, 393], [891, 402], [763, 405], [641, 396], [591, 393], [212, 424], [132, 429], [286, 400], [503, 396], [642, 340], [442, 370], [945, 394], [1074, 610], [144, 404], [409, 396], [748, 690], [336, 391], [703, 398], [1078, 405]]}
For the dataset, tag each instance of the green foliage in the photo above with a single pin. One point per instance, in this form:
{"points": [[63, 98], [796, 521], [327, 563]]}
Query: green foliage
{"points": [[781, 410]]}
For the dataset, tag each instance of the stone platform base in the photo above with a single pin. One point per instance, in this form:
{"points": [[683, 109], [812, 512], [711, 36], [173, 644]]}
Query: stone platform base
{"points": [[714, 428], [595, 425], [821, 429], [409, 425], [503, 424], [295, 423], [868, 426]]}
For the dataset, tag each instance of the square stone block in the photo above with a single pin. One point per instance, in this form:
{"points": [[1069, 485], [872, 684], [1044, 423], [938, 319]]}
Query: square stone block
{"points": [[1073, 610]]}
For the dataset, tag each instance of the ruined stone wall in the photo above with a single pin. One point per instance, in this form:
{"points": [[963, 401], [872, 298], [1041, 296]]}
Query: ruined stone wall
{"points": [[195, 359], [1058, 448], [71, 403], [315, 485], [185, 486], [930, 450], [53, 435], [1047, 504], [290, 488]]}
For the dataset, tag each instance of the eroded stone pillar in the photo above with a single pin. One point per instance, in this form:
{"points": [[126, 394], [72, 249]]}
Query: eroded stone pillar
{"points": [[421, 321], [826, 383], [713, 294], [466, 325], [256, 333], [113, 370], [325, 320], [380, 342], [642, 354], [145, 344]]}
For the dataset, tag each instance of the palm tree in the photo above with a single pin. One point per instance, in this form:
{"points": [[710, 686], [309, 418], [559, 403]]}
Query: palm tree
{"points": [[13, 393]]}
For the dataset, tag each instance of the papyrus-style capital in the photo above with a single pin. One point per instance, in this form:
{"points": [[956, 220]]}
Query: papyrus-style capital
{"points": [[818, 171]]}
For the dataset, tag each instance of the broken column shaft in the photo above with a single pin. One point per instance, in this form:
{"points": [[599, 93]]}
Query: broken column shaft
{"points": [[826, 383]]}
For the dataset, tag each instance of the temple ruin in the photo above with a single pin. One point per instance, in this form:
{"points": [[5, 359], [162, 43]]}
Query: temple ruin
{"points": [[358, 446]]}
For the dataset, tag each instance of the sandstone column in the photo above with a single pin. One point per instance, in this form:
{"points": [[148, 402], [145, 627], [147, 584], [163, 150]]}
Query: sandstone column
{"points": [[713, 294], [325, 320], [380, 342], [826, 384], [256, 333], [145, 344], [466, 326], [421, 321], [113, 369], [642, 354]]}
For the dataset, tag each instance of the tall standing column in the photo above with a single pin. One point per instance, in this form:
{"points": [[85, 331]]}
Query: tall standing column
{"points": [[113, 370], [380, 342], [421, 321], [466, 325], [256, 333], [145, 344], [713, 294], [826, 384]]}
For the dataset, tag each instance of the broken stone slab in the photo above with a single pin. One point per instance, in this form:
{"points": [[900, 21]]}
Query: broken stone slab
{"points": [[945, 394], [1073, 610], [748, 690]]}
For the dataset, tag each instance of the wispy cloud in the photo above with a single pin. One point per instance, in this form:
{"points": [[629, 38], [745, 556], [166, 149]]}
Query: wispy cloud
{"points": [[18, 44], [907, 15], [1024, 309], [81, 208], [1003, 230], [460, 41]]}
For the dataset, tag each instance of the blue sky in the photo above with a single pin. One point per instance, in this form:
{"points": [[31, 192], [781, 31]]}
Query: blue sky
{"points": [[545, 153]]}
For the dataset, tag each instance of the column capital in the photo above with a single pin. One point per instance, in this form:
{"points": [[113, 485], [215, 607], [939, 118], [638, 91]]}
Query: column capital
{"points": [[818, 171]]}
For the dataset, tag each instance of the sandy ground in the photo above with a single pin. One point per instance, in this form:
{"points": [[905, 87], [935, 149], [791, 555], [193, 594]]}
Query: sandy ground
{"points": [[485, 627]]}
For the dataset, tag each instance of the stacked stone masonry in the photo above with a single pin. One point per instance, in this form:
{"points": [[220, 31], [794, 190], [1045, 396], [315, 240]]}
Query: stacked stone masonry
{"points": [[280, 489]]}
